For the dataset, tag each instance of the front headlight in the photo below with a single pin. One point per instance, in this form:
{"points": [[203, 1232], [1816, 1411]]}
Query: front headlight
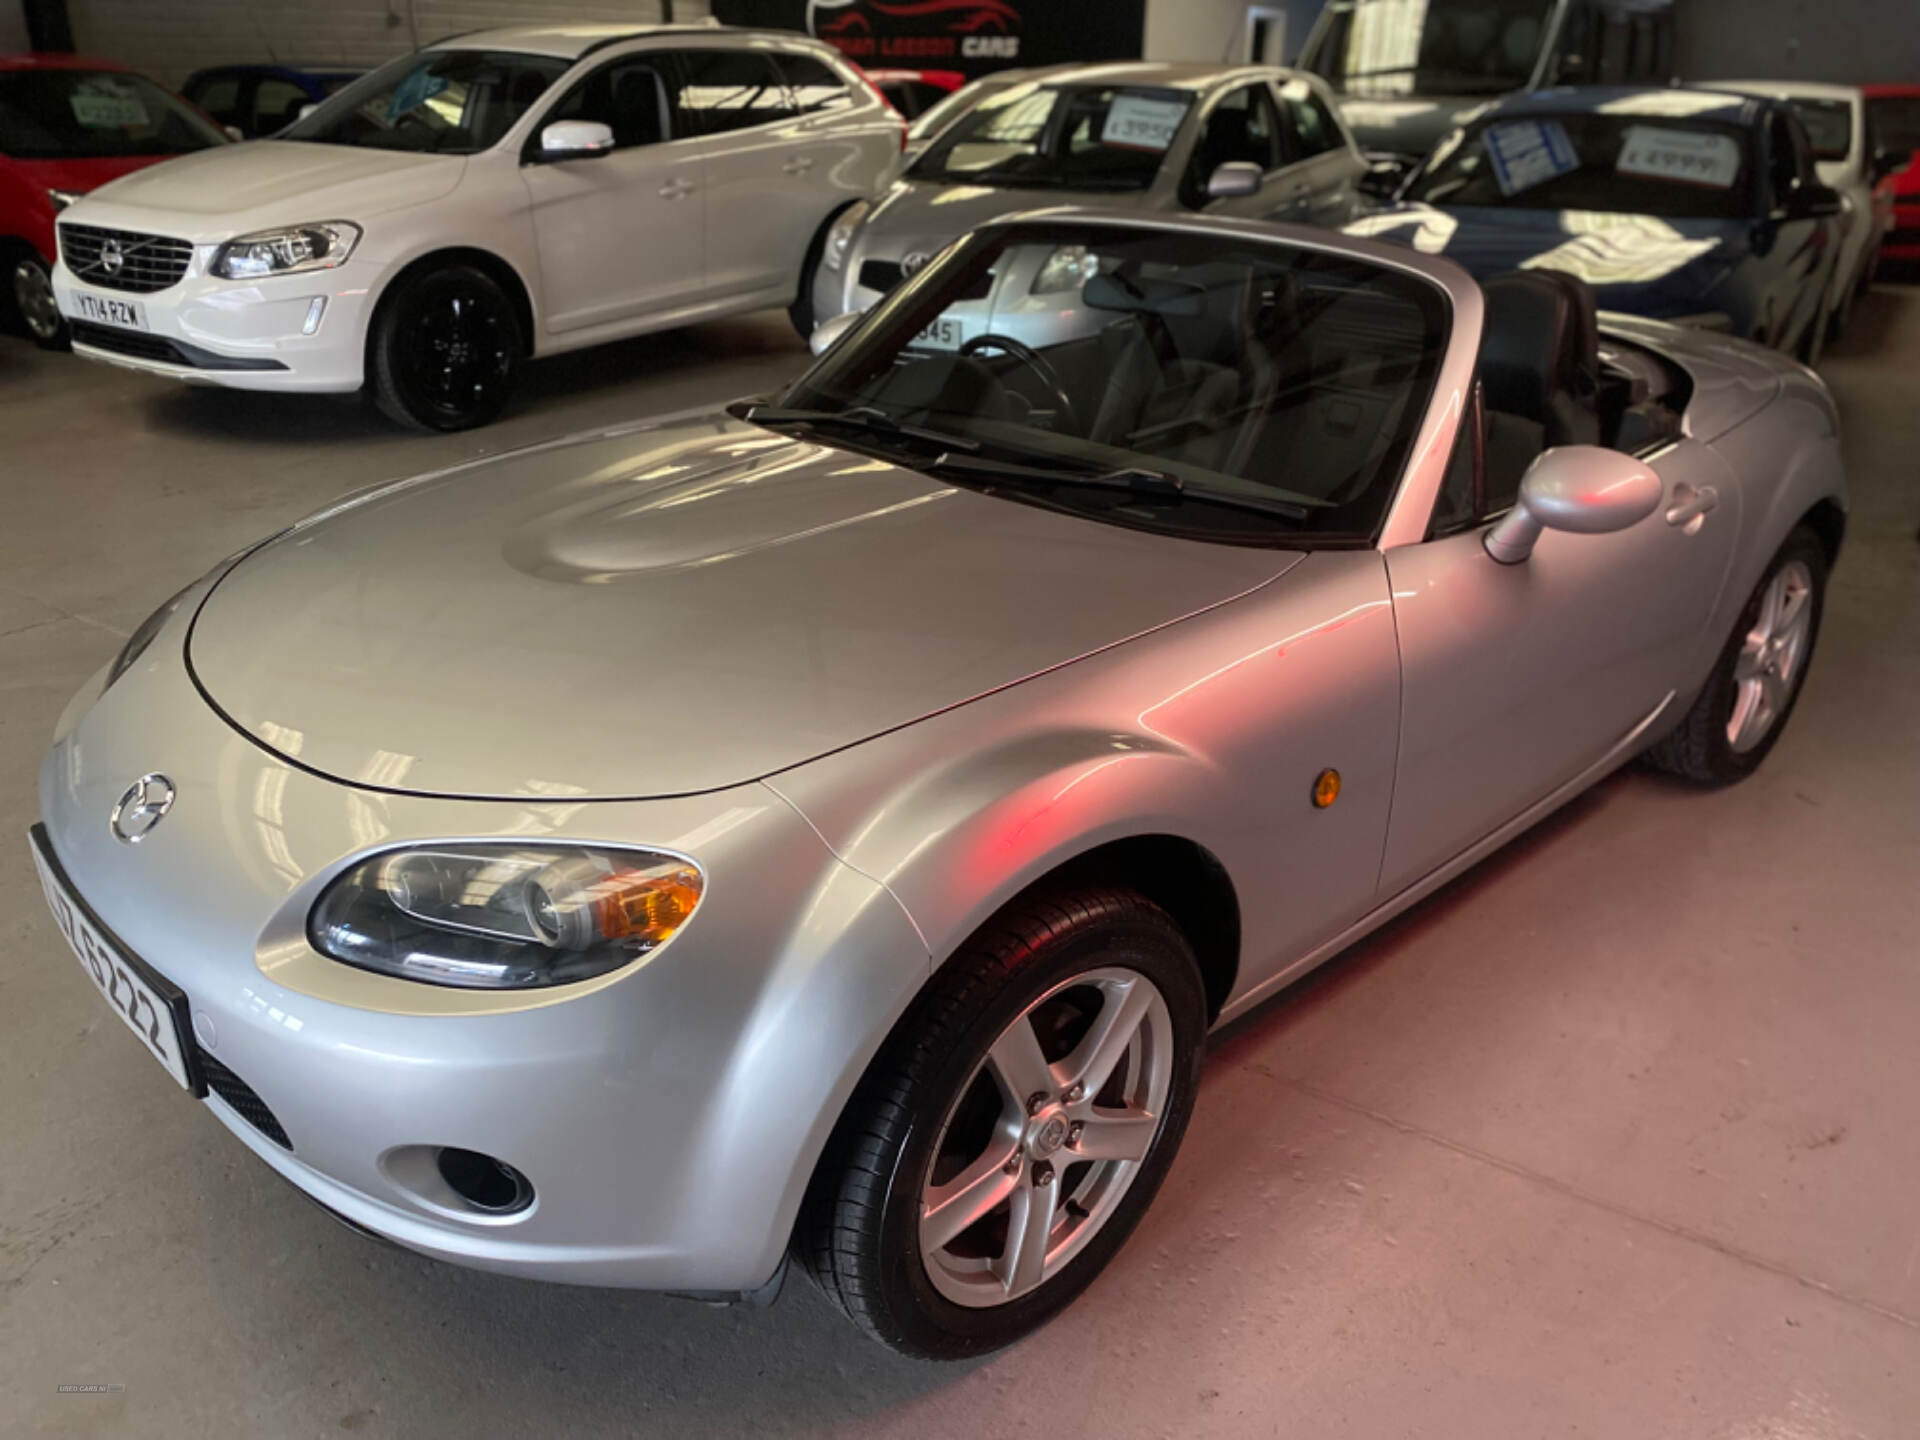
{"points": [[504, 917], [840, 237], [287, 252], [61, 199], [1068, 268]]}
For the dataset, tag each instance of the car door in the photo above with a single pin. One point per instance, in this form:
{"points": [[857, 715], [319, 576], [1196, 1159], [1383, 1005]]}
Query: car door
{"points": [[760, 162], [1516, 679], [1240, 125], [621, 236], [1322, 166]]}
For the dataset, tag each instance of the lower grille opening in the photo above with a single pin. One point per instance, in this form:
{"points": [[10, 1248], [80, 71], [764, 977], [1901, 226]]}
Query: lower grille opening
{"points": [[142, 346], [237, 1093]]}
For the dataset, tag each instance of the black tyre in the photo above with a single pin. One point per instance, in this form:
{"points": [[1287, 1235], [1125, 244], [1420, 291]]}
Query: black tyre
{"points": [[30, 287], [1756, 682], [445, 349], [1014, 1127], [801, 311]]}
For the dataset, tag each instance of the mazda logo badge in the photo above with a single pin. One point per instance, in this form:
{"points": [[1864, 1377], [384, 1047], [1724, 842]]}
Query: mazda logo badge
{"points": [[143, 806], [111, 257], [913, 264]]}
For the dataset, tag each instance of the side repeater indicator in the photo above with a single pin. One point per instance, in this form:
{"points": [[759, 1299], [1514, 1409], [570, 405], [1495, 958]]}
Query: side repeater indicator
{"points": [[1326, 788]]}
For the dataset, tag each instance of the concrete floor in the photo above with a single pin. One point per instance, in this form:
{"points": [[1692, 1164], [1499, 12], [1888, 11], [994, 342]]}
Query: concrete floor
{"points": [[1615, 1137]]}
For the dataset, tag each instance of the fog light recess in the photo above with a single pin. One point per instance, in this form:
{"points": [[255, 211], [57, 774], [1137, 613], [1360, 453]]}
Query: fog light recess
{"points": [[484, 1182]]}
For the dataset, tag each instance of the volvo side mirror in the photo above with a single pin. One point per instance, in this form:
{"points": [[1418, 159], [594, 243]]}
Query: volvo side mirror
{"points": [[575, 140], [1582, 489], [828, 332], [1235, 179]]}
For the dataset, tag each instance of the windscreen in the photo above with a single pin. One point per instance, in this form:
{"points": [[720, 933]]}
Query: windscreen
{"points": [[1284, 377], [95, 114], [1431, 47], [1623, 163], [1060, 137], [448, 102]]}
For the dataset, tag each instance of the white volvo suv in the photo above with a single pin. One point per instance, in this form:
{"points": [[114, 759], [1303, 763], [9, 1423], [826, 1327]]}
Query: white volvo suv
{"points": [[494, 196]]}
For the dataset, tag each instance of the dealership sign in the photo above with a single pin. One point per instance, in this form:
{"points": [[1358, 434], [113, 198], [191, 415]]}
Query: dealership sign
{"points": [[973, 36]]}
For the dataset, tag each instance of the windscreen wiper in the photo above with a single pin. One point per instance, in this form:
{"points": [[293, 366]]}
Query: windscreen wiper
{"points": [[1148, 484], [869, 418]]}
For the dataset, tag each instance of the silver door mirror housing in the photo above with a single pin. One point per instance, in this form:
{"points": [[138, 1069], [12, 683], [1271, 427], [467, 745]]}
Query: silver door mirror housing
{"points": [[1235, 179], [575, 140], [828, 333], [1582, 489]]}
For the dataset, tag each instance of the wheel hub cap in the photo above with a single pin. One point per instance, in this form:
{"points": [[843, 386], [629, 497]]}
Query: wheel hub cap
{"points": [[1046, 1135]]}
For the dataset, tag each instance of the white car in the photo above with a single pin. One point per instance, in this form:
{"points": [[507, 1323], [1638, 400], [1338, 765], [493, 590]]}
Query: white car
{"points": [[1836, 120], [499, 195]]}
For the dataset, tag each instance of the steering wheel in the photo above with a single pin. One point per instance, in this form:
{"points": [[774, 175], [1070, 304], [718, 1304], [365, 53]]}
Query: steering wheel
{"points": [[1034, 361]]}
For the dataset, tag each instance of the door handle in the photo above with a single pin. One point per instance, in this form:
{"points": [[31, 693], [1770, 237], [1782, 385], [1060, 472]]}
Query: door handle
{"points": [[677, 188], [798, 165], [1690, 506]]}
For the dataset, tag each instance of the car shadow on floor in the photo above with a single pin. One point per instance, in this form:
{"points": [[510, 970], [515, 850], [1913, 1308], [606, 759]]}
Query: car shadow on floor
{"points": [[755, 346]]}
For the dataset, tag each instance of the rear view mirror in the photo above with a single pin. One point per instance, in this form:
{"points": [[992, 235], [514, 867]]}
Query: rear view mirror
{"points": [[1235, 179], [575, 140], [1582, 489], [828, 332]]}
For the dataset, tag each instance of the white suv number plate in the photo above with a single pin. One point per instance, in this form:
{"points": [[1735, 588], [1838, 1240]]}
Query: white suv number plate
{"points": [[127, 314], [134, 999]]}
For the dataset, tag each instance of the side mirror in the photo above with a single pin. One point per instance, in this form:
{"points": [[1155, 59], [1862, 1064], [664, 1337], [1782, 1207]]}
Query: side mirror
{"points": [[1384, 175], [232, 132], [1235, 179], [575, 140], [827, 333], [1890, 162], [1582, 489], [306, 110], [1813, 202]]}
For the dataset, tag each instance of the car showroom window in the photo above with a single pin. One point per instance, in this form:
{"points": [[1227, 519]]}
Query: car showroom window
{"points": [[1243, 126], [447, 102], [812, 84], [1290, 379], [729, 90], [630, 97]]}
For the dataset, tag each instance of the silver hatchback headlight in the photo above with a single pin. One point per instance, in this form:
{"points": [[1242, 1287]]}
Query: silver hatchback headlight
{"points": [[504, 917]]}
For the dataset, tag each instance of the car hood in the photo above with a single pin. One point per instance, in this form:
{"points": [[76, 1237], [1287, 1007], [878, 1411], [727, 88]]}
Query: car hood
{"points": [[1643, 264], [1408, 126], [925, 215], [665, 611], [215, 194]]}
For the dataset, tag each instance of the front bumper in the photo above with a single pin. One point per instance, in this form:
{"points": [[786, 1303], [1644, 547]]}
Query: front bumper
{"points": [[668, 1116], [304, 332]]}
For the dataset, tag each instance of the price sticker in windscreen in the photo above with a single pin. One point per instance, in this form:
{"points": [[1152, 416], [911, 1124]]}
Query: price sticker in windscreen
{"points": [[1142, 122], [1686, 157]]}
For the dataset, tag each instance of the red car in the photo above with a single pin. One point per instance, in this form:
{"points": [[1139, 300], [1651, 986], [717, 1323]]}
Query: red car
{"points": [[69, 123], [914, 92], [1893, 123]]}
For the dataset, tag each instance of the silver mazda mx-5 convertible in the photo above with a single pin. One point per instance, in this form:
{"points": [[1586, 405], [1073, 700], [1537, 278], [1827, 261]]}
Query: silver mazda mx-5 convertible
{"points": [[831, 827]]}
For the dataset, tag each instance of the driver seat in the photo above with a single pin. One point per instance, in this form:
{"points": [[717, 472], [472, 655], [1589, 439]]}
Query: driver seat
{"points": [[1539, 373]]}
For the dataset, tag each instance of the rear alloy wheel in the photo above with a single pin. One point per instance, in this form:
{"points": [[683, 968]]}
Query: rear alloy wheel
{"points": [[446, 350], [33, 301], [1015, 1127], [1754, 686]]}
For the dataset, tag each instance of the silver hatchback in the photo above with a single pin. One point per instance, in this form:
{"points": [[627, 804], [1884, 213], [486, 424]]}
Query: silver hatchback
{"points": [[1251, 141]]}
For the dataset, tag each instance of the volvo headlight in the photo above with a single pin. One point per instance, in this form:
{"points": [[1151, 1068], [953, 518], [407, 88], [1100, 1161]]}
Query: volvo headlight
{"points": [[1068, 268], [287, 252], [840, 237], [504, 917]]}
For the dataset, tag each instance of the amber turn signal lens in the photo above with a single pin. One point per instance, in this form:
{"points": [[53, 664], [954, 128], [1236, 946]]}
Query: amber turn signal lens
{"points": [[1326, 788], [646, 904]]}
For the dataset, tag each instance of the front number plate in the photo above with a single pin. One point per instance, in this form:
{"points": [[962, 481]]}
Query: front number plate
{"points": [[127, 314], [135, 997]]}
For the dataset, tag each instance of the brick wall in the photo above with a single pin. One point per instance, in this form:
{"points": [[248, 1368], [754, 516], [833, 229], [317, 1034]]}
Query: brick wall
{"points": [[171, 38]]}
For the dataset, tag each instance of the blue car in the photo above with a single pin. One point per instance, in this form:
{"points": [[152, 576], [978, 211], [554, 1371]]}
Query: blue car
{"points": [[257, 100], [1694, 206]]}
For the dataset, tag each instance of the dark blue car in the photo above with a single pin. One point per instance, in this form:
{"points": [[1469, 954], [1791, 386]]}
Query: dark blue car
{"points": [[1689, 205], [257, 100]]}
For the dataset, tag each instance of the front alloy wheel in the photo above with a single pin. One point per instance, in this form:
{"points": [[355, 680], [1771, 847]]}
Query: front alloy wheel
{"points": [[1014, 1127], [33, 299], [445, 350]]}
